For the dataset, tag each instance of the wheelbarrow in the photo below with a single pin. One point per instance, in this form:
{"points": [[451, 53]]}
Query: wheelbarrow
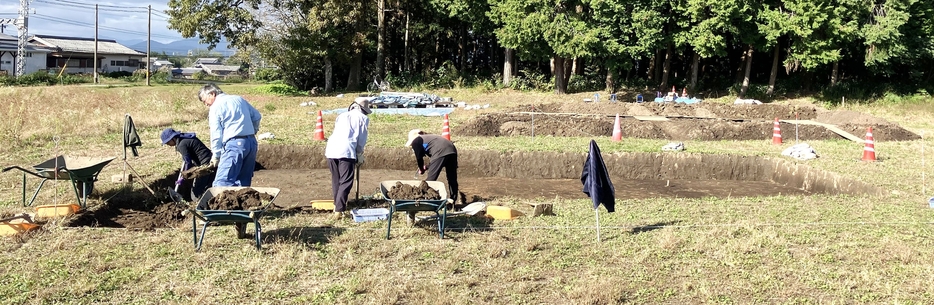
{"points": [[82, 171], [238, 217], [414, 205]]}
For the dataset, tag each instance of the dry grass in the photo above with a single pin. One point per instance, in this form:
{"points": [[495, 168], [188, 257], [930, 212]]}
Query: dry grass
{"points": [[788, 250]]}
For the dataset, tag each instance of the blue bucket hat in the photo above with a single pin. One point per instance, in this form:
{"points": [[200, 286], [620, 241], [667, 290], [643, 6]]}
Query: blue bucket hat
{"points": [[168, 134]]}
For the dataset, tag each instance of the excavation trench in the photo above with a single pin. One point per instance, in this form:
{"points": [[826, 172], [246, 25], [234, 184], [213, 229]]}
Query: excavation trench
{"points": [[301, 173]]}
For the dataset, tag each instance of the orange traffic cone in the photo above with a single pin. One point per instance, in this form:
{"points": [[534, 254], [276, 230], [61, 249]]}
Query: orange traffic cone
{"points": [[672, 88], [319, 128], [684, 92], [776, 133], [869, 151], [446, 129], [617, 132]]}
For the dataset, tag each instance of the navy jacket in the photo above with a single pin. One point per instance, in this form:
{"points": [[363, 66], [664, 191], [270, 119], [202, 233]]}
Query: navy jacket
{"points": [[596, 180]]}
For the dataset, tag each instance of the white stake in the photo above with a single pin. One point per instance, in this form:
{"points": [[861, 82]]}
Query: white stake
{"points": [[597, 213], [796, 128]]}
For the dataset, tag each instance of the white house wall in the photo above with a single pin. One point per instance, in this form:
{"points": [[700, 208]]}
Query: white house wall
{"points": [[107, 63], [34, 63]]}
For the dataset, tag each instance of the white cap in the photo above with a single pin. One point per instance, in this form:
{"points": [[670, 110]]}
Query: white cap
{"points": [[414, 133]]}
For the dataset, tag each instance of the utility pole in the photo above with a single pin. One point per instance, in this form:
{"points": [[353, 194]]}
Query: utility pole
{"points": [[148, 46], [96, 81], [21, 22]]}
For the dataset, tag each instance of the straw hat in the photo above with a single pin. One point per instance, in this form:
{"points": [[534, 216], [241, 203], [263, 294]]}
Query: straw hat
{"points": [[414, 133]]}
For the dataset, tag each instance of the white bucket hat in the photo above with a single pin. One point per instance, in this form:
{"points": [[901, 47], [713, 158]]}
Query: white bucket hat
{"points": [[414, 133]]}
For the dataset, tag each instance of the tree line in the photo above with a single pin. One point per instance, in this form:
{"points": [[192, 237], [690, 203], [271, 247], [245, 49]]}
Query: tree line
{"points": [[771, 46]]}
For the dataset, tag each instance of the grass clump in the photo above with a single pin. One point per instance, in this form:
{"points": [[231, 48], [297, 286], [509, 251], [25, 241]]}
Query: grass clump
{"points": [[278, 88]]}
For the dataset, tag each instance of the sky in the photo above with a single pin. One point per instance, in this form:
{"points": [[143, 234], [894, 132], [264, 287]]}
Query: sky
{"points": [[121, 20]]}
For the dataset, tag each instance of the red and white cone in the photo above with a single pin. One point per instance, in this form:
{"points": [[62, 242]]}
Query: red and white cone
{"points": [[869, 151], [672, 89], [776, 133], [617, 132], [684, 92], [319, 128], [446, 129]]}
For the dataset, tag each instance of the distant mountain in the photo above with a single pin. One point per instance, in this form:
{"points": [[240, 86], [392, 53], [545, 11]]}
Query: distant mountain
{"points": [[130, 42], [182, 47]]}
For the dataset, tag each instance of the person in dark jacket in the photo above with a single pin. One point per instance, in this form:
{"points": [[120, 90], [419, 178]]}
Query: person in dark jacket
{"points": [[443, 154], [194, 153]]}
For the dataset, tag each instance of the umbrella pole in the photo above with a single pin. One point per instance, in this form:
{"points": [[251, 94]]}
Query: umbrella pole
{"points": [[597, 213]]}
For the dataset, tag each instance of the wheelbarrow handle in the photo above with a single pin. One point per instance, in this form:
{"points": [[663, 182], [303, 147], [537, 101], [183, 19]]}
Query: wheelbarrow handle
{"points": [[26, 171]]}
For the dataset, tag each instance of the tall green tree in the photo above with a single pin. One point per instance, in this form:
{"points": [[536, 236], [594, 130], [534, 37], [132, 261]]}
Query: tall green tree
{"points": [[538, 28]]}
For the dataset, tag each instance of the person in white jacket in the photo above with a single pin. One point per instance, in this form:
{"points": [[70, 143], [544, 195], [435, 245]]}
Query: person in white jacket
{"points": [[344, 151]]}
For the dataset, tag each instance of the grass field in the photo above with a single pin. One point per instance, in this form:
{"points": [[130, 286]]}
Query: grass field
{"points": [[816, 249]]}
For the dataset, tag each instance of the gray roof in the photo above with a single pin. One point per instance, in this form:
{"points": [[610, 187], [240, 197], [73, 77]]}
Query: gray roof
{"points": [[11, 43], [212, 68], [84, 45], [207, 60]]}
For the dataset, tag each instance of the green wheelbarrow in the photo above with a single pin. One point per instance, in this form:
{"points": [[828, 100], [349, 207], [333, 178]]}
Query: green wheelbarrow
{"points": [[438, 206], [81, 171], [237, 217]]}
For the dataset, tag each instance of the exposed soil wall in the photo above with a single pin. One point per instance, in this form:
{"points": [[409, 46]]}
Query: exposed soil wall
{"points": [[550, 165]]}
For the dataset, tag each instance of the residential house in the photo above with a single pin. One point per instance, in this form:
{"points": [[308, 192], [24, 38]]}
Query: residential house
{"points": [[221, 70], [35, 55], [187, 73], [76, 55], [159, 64], [206, 61]]}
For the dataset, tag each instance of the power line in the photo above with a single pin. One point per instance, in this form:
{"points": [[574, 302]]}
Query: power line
{"points": [[112, 29], [91, 8], [102, 5]]}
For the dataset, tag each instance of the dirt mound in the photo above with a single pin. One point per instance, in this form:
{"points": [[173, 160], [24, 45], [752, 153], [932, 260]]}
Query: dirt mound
{"points": [[242, 199], [200, 171], [410, 192], [138, 216], [703, 109], [843, 117], [675, 128]]}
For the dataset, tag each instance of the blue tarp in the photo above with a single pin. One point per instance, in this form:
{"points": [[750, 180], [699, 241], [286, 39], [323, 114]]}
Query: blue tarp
{"points": [[409, 111]]}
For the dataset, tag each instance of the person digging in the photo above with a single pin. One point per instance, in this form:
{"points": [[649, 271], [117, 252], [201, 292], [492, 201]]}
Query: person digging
{"points": [[194, 154], [442, 154], [344, 152]]}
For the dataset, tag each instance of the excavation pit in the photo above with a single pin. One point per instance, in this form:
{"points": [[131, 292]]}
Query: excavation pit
{"points": [[301, 173]]}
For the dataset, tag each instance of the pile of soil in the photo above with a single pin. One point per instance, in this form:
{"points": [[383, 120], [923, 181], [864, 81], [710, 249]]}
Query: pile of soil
{"points": [[702, 122], [242, 199], [131, 216], [198, 172], [707, 110], [411, 192]]}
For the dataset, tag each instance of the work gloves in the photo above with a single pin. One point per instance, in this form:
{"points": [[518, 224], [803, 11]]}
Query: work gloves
{"points": [[179, 181], [360, 160], [214, 161]]}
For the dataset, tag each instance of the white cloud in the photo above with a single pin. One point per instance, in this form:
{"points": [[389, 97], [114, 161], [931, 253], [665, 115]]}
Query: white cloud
{"points": [[122, 20]]}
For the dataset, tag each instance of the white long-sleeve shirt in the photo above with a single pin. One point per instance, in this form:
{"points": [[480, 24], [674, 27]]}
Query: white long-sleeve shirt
{"points": [[349, 136]]}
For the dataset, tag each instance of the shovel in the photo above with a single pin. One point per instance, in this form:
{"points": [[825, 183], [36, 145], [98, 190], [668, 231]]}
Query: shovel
{"points": [[469, 210]]}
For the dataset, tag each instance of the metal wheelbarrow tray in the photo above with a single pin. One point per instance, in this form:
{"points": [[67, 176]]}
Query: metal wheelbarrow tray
{"points": [[237, 217], [81, 171], [408, 205]]}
